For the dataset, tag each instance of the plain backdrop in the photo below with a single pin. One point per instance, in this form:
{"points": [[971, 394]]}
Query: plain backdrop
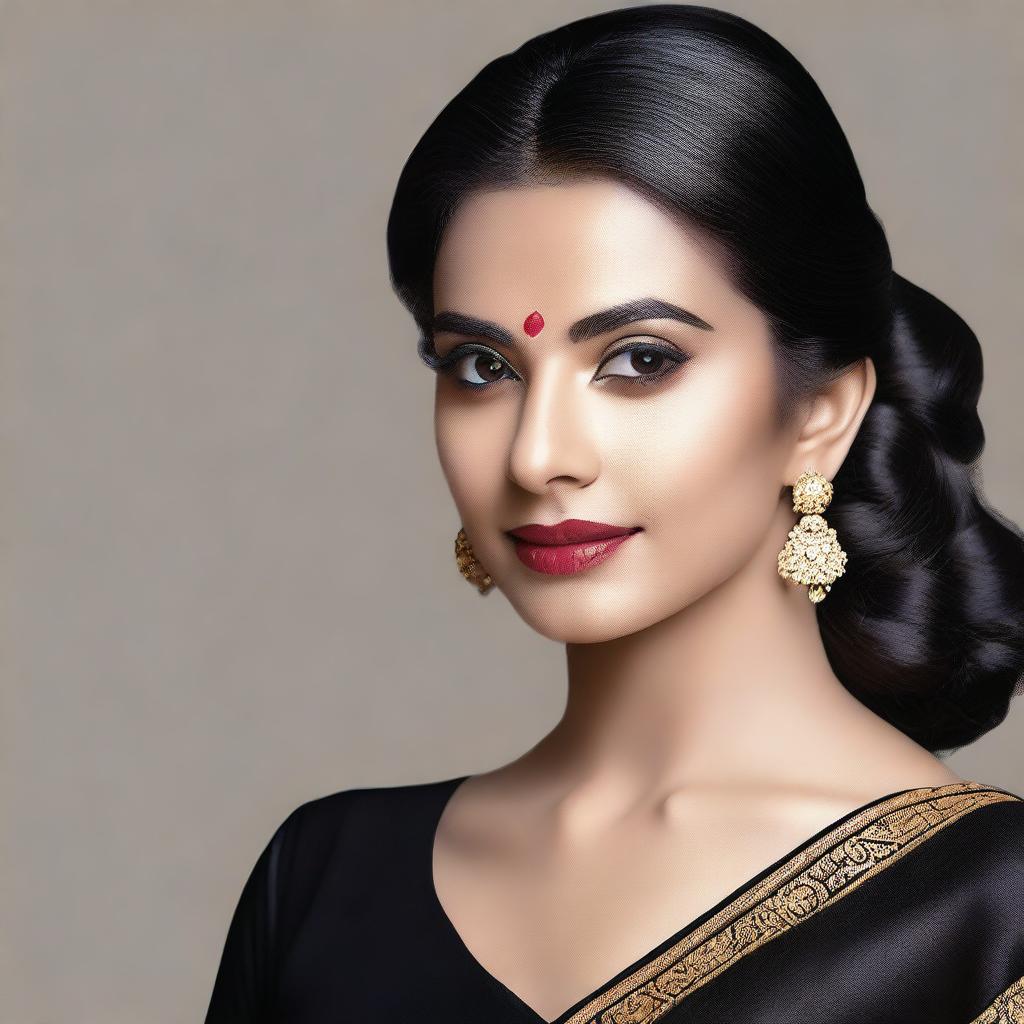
{"points": [[229, 581]]}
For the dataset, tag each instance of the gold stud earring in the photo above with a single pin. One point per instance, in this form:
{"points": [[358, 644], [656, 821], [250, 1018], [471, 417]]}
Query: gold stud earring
{"points": [[470, 568], [812, 554]]}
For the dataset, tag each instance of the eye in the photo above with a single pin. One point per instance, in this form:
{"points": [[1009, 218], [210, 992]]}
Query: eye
{"points": [[642, 363], [651, 362], [479, 362]]}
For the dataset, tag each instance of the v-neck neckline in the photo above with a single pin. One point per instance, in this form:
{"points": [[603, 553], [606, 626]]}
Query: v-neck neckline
{"points": [[880, 805]]}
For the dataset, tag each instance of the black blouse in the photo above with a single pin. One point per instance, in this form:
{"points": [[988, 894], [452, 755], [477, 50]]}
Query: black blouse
{"points": [[908, 909]]}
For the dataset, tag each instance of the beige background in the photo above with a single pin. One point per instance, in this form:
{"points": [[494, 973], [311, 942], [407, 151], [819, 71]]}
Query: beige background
{"points": [[229, 579]]}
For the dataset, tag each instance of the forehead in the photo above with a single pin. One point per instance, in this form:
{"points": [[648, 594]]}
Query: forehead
{"points": [[570, 245]]}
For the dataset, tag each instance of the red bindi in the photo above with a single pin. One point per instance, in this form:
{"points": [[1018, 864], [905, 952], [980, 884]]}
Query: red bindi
{"points": [[533, 324]]}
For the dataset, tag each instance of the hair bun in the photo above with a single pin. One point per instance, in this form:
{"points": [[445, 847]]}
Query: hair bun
{"points": [[929, 625], [936, 369]]}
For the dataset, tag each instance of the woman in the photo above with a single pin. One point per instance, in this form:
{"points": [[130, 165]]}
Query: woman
{"points": [[698, 431]]}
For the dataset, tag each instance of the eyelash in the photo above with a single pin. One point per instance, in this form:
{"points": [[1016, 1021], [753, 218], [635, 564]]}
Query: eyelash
{"points": [[446, 364]]}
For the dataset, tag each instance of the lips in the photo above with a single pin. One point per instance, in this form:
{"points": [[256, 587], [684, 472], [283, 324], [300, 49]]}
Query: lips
{"points": [[569, 547], [569, 531]]}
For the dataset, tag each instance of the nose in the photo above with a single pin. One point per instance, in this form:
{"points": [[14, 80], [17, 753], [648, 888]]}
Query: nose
{"points": [[553, 440]]}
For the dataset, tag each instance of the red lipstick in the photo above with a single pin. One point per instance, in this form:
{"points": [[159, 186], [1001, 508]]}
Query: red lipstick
{"points": [[569, 546]]}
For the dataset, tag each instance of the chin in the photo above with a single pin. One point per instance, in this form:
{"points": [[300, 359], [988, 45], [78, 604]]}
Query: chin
{"points": [[582, 617]]}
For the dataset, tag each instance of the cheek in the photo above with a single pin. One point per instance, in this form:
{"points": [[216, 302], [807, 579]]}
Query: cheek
{"points": [[472, 449], [705, 470]]}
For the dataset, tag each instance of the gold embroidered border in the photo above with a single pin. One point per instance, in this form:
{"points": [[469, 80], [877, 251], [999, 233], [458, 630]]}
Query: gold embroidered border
{"points": [[820, 874], [1006, 1008]]}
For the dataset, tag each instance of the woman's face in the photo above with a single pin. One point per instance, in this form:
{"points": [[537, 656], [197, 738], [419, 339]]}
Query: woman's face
{"points": [[560, 427]]}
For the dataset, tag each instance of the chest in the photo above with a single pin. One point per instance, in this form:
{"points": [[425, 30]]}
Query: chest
{"points": [[409, 920], [553, 927]]}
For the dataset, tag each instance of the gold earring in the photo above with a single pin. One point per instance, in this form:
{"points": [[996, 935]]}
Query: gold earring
{"points": [[812, 554], [470, 568]]}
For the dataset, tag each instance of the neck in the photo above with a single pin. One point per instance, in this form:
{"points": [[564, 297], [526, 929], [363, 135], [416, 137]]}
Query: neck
{"points": [[734, 691]]}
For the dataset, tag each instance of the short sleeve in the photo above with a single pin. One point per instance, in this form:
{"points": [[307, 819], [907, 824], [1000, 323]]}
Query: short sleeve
{"points": [[245, 984]]}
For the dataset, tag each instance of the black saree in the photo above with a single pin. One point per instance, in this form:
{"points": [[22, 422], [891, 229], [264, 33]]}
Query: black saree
{"points": [[908, 909]]}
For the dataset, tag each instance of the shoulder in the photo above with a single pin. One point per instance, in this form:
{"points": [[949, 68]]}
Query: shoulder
{"points": [[954, 854], [365, 815], [978, 866], [353, 834], [335, 808], [982, 833], [989, 831], [985, 882], [326, 849]]}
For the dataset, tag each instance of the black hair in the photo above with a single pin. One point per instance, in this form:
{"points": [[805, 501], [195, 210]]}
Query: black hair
{"points": [[709, 117]]}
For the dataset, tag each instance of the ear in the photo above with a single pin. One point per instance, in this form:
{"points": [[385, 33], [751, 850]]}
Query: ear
{"points": [[832, 422]]}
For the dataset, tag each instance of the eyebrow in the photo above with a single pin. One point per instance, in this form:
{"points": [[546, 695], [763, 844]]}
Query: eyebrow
{"points": [[582, 330]]}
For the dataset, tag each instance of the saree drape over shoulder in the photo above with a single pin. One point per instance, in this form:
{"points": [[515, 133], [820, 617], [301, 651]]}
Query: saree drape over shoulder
{"points": [[908, 909]]}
